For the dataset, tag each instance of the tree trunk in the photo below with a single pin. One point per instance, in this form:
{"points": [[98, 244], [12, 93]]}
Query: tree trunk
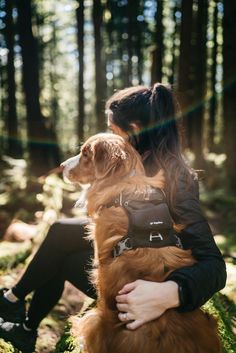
{"points": [[3, 114], [100, 79], [54, 77], [80, 41], [229, 101], [43, 151], [184, 80], [130, 42], [175, 35], [14, 146], [158, 52], [199, 89], [213, 100], [140, 58]]}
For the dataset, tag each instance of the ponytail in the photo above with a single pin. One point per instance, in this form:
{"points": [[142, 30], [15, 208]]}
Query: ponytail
{"points": [[154, 111], [162, 104], [163, 120]]}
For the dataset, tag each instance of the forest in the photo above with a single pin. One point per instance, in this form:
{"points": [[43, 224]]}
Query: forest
{"points": [[59, 63]]}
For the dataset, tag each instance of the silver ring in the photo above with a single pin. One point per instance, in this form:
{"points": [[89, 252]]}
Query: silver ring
{"points": [[125, 316]]}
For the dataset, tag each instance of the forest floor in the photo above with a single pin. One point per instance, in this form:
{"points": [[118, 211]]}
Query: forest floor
{"points": [[52, 327], [18, 202], [72, 300]]}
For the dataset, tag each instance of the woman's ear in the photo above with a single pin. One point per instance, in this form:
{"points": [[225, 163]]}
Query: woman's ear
{"points": [[107, 156], [135, 128]]}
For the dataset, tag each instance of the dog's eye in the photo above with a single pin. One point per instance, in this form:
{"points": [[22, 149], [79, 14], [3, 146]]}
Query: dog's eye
{"points": [[86, 153]]}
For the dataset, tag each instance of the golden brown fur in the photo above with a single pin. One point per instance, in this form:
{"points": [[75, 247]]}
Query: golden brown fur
{"points": [[111, 162]]}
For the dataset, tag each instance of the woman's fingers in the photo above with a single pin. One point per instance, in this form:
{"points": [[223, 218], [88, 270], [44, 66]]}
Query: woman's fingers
{"points": [[134, 324], [122, 299], [122, 294], [144, 301], [122, 307], [127, 288], [125, 317]]}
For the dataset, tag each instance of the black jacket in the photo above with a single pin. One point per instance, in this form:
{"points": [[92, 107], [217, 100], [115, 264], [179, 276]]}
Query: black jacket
{"points": [[199, 282]]}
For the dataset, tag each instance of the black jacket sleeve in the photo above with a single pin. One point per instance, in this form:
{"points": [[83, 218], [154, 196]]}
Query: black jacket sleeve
{"points": [[199, 282]]}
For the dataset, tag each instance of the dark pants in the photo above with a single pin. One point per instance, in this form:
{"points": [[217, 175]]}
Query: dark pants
{"points": [[63, 255]]}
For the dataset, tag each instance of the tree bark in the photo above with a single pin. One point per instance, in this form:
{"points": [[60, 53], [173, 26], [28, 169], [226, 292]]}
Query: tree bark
{"points": [[3, 114], [43, 150], [199, 88], [130, 42], [213, 100], [100, 78], [184, 80], [80, 41], [157, 53], [229, 101], [14, 146], [175, 35]]}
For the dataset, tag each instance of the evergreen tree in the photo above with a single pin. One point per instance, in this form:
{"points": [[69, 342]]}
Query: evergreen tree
{"points": [[229, 55], [43, 150]]}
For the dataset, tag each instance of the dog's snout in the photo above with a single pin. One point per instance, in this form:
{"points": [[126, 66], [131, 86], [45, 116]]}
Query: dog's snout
{"points": [[62, 166], [68, 168]]}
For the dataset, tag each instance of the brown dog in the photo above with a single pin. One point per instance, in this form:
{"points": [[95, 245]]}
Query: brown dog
{"points": [[113, 167]]}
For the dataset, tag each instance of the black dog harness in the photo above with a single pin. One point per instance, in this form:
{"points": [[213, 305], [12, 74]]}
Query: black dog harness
{"points": [[150, 222]]}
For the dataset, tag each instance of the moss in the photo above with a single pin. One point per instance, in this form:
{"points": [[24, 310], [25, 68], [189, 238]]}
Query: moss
{"points": [[7, 347], [67, 342], [11, 254], [225, 312], [219, 306]]}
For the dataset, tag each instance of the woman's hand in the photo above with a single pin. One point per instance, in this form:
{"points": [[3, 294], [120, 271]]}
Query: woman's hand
{"points": [[143, 301]]}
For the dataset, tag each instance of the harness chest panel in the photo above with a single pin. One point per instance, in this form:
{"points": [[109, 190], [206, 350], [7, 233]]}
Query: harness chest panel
{"points": [[150, 222]]}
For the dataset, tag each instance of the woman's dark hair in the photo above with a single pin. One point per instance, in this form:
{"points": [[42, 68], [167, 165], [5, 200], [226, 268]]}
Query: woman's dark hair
{"points": [[153, 110]]}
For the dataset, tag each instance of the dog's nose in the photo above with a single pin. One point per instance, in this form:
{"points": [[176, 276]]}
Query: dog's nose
{"points": [[62, 166]]}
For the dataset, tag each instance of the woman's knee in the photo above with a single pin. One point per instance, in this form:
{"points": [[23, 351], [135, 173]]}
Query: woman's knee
{"points": [[68, 233], [62, 225], [54, 229]]}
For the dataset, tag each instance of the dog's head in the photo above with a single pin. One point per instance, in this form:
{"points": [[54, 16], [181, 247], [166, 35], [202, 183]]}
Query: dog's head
{"points": [[102, 156]]}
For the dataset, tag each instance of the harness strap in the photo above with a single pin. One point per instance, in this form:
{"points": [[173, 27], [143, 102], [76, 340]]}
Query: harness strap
{"points": [[153, 195], [150, 223], [151, 240]]}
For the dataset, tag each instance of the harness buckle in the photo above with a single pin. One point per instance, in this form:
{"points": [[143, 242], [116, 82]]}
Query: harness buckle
{"points": [[121, 199], [121, 246], [179, 242], [118, 200], [154, 235]]}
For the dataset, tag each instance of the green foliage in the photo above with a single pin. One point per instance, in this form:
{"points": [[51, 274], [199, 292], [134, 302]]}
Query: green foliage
{"points": [[225, 311], [11, 254], [7, 347], [221, 205], [18, 190], [219, 306], [67, 342], [51, 196]]}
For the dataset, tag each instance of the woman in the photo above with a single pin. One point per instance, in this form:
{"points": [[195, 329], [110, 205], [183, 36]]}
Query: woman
{"points": [[147, 117]]}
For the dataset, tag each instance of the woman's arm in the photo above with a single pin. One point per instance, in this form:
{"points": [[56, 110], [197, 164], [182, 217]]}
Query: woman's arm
{"points": [[199, 282], [185, 289], [145, 301]]}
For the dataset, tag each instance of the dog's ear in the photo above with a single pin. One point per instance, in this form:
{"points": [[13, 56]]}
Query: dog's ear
{"points": [[87, 151], [109, 156]]}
